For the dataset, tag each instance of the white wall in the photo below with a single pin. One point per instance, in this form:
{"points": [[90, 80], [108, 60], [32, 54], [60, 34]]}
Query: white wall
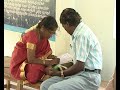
{"points": [[62, 38], [10, 39], [99, 15]]}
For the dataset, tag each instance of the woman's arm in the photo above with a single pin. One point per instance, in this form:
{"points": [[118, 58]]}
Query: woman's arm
{"points": [[32, 59], [51, 56]]}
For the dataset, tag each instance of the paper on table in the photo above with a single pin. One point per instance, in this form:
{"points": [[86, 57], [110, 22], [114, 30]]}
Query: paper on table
{"points": [[65, 58]]}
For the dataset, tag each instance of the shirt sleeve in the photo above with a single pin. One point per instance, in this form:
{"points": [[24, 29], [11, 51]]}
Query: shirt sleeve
{"points": [[82, 48]]}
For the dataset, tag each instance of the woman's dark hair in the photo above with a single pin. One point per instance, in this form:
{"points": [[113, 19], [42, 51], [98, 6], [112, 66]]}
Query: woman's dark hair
{"points": [[70, 16], [49, 23]]}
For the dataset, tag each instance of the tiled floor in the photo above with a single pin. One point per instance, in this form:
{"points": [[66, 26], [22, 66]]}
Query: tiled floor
{"points": [[102, 87]]}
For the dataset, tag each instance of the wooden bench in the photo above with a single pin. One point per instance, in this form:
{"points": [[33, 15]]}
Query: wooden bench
{"points": [[8, 78]]}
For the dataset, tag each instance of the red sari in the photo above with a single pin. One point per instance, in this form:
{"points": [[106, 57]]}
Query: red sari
{"points": [[33, 72]]}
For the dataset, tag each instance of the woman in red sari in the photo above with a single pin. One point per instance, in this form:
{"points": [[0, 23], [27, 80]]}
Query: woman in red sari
{"points": [[29, 58]]}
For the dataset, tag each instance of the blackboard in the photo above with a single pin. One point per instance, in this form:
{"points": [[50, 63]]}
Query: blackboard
{"points": [[26, 13]]}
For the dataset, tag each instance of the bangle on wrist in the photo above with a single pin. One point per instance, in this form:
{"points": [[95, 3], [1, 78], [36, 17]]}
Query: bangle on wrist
{"points": [[62, 74], [61, 71]]}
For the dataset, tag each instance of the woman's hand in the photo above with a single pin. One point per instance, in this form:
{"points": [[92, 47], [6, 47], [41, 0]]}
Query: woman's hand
{"points": [[52, 57], [48, 69], [52, 72], [54, 61]]}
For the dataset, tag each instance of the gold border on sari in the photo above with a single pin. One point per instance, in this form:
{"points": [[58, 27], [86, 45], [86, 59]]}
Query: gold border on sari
{"points": [[46, 55], [22, 71], [30, 46]]}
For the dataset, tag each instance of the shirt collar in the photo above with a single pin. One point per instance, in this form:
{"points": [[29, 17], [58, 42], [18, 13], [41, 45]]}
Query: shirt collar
{"points": [[77, 29]]}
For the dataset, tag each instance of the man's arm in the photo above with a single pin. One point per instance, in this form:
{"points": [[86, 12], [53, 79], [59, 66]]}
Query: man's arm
{"points": [[79, 66], [74, 69]]}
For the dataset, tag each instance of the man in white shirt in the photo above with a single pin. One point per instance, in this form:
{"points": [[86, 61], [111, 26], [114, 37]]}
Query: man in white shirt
{"points": [[85, 73]]}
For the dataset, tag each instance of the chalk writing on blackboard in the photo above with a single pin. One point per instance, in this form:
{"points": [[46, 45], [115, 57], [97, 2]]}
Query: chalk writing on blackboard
{"points": [[26, 13]]}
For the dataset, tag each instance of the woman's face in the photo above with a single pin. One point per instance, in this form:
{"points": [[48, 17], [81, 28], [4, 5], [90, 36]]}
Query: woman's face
{"points": [[47, 33]]}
